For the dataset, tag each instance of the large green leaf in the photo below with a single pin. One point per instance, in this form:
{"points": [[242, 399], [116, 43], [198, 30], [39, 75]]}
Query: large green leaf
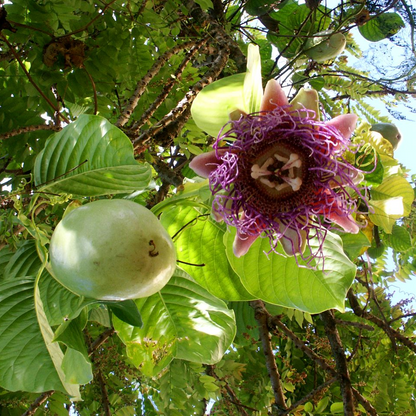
{"points": [[33, 309], [381, 27], [59, 303], [182, 321], [25, 363], [54, 350], [201, 242], [76, 365], [391, 201], [355, 244], [24, 262], [212, 107], [5, 255], [279, 280], [399, 239], [90, 157]]}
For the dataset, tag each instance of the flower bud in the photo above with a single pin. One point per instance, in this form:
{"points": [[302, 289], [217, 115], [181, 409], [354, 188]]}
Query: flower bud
{"points": [[324, 45]]}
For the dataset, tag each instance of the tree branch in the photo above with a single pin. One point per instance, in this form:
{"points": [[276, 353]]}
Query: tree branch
{"points": [[168, 86], [309, 396], [144, 82], [29, 129], [340, 361], [390, 332], [181, 112], [104, 393], [38, 402], [262, 317], [100, 340], [218, 32], [275, 322]]}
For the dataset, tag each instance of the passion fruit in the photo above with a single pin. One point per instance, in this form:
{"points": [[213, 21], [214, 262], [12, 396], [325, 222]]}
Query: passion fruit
{"points": [[389, 131], [112, 250], [325, 45]]}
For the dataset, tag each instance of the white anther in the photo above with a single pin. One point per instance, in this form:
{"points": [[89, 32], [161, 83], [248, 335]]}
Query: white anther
{"points": [[257, 171], [295, 183], [293, 162], [281, 158], [267, 182], [267, 163]]}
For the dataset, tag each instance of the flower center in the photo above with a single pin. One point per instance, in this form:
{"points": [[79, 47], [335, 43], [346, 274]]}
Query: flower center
{"points": [[280, 172], [275, 178]]}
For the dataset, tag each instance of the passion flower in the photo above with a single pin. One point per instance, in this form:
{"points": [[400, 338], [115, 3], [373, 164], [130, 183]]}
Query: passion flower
{"points": [[280, 173]]}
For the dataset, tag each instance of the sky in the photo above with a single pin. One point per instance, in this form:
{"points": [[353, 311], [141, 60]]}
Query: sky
{"points": [[406, 155]]}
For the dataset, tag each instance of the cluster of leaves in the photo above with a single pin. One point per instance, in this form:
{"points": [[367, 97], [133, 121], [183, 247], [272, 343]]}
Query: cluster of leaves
{"points": [[95, 103]]}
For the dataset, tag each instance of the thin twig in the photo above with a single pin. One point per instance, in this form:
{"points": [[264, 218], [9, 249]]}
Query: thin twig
{"points": [[309, 396], [234, 399], [365, 403], [276, 322], [82, 29], [100, 340], [262, 317], [31, 80], [407, 315], [354, 324], [94, 89]]}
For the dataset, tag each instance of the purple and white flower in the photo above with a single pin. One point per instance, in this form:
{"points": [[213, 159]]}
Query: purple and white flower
{"points": [[280, 173]]}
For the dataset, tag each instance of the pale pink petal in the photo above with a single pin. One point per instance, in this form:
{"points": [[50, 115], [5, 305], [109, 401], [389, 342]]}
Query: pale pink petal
{"points": [[294, 242], [242, 243], [345, 123], [273, 96], [204, 163], [346, 222]]}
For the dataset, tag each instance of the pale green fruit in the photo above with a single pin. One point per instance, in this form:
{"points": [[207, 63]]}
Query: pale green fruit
{"points": [[323, 46], [389, 131], [112, 250]]}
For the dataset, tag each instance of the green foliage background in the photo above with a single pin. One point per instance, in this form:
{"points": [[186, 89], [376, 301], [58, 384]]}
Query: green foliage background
{"points": [[95, 102]]}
